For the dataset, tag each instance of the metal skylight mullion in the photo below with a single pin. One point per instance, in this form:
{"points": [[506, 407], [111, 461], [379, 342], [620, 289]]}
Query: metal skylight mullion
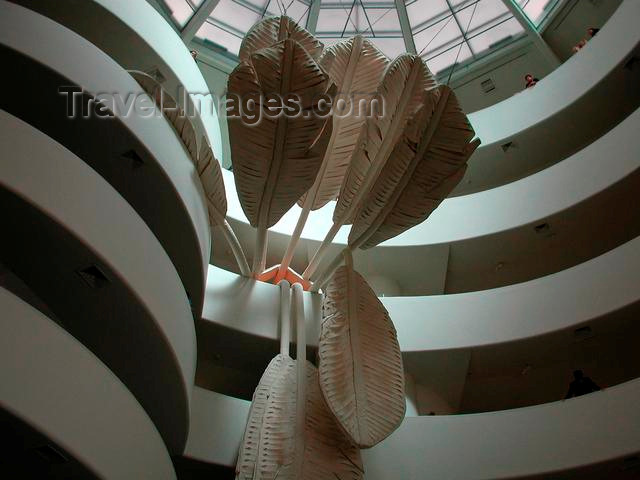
{"points": [[438, 18], [197, 20], [364, 10], [253, 7], [226, 27], [451, 44], [532, 32], [312, 18], [366, 33], [405, 26], [349, 18], [462, 32], [499, 20]]}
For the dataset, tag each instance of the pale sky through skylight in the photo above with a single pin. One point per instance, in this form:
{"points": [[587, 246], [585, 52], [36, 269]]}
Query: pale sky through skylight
{"points": [[443, 31]]}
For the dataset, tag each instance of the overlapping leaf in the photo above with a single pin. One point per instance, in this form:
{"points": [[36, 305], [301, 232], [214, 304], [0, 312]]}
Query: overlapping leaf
{"points": [[210, 175], [276, 160], [361, 373], [272, 30], [171, 110], [426, 164], [355, 66], [400, 92], [271, 447]]}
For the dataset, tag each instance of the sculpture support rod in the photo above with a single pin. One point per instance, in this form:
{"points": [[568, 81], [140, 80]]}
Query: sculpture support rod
{"points": [[295, 236], [285, 313], [236, 248], [301, 364], [315, 261]]}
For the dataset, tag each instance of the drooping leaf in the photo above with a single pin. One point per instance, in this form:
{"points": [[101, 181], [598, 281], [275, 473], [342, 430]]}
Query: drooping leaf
{"points": [[171, 110], [401, 93], [271, 449], [355, 66], [272, 30], [269, 437], [426, 164], [361, 373], [276, 160], [210, 175]]}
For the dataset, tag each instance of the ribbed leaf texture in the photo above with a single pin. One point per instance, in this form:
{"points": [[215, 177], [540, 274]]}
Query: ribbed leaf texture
{"points": [[269, 449], [170, 109], [355, 66], [361, 373], [401, 92], [272, 30], [276, 160], [210, 175], [426, 164]]}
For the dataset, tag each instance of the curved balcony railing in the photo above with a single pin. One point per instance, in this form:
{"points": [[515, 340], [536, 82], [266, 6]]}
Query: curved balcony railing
{"points": [[138, 154], [599, 430], [567, 110], [528, 227], [89, 256], [51, 381]]}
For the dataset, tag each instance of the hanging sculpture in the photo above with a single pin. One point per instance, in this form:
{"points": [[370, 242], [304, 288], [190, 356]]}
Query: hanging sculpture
{"points": [[388, 170], [290, 433], [360, 363], [401, 88], [355, 66], [276, 160], [206, 164]]}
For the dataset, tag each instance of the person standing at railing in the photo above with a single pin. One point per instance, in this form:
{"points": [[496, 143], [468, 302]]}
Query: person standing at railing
{"points": [[581, 385]]}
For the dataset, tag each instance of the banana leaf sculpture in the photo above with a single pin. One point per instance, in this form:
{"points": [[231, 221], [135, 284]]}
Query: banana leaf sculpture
{"points": [[207, 165], [360, 363], [355, 66], [290, 434], [426, 164], [401, 90], [276, 160], [210, 174], [272, 30], [170, 110]]}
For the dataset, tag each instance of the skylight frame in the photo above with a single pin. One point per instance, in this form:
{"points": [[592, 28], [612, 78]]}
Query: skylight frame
{"points": [[451, 11]]}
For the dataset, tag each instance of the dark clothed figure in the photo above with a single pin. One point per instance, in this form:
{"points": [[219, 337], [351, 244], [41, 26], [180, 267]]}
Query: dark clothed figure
{"points": [[530, 80], [581, 385]]}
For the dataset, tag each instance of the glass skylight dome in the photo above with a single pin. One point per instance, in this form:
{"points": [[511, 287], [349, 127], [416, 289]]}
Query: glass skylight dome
{"points": [[443, 32]]}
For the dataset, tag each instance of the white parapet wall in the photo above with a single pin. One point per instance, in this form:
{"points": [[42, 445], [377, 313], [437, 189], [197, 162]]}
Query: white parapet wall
{"points": [[52, 382], [545, 439], [164, 187], [141, 323], [568, 109], [566, 299]]}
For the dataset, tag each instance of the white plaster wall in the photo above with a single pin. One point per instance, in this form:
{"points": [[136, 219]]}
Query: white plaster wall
{"points": [[498, 445], [52, 382], [553, 190], [77, 59], [67, 190], [457, 321]]}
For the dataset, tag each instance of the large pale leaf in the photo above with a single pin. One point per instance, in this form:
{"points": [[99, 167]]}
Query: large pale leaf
{"points": [[426, 164], [171, 110], [210, 175], [271, 447], [355, 66], [401, 92], [269, 437], [361, 374], [272, 30], [276, 160]]}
